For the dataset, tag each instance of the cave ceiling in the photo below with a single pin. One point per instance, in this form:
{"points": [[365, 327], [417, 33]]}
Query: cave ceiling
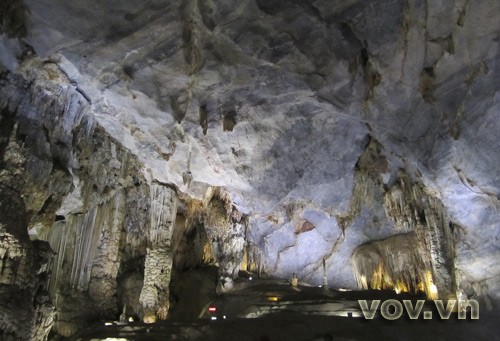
{"points": [[304, 113]]}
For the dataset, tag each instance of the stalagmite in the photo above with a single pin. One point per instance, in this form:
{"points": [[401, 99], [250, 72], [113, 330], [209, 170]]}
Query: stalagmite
{"points": [[123, 315], [154, 296], [102, 286], [225, 228]]}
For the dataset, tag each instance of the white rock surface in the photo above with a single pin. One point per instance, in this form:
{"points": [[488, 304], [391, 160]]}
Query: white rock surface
{"points": [[306, 84]]}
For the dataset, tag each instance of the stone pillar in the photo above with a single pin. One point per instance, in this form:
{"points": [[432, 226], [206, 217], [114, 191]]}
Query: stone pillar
{"points": [[102, 285], [154, 296], [155, 291]]}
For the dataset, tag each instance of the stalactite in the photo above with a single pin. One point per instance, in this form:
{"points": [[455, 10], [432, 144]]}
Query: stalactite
{"points": [[51, 117], [163, 200], [85, 246], [399, 262], [413, 209], [190, 245], [251, 259], [78, 241], [59, 238], [367, 182]]}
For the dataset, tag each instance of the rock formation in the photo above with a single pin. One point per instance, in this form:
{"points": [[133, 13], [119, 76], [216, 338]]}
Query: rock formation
{"points": [[142, 139]]}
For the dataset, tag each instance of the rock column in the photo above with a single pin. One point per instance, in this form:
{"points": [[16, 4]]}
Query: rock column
{"points": [[154, 296]]}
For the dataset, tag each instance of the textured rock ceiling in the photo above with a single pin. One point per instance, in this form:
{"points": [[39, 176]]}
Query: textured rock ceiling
{"points": [[305, 112]]}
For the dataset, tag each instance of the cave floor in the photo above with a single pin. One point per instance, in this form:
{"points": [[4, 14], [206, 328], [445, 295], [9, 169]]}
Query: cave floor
{"points": [[274, 310]]}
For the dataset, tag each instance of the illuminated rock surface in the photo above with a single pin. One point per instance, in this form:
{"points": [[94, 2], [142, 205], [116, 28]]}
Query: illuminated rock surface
{"points": [[142, 139]]}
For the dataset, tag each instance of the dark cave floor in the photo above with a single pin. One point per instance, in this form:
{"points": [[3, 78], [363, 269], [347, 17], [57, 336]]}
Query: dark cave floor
{"points": [[274, 310]]}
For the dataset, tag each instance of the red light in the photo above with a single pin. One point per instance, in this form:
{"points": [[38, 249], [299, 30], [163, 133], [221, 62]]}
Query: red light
{"points": [[212, 309]]}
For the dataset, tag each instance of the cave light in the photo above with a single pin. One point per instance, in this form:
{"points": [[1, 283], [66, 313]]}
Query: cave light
{"points": [[400, 287], [363, 282], [432, 292], [353, 314]]}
